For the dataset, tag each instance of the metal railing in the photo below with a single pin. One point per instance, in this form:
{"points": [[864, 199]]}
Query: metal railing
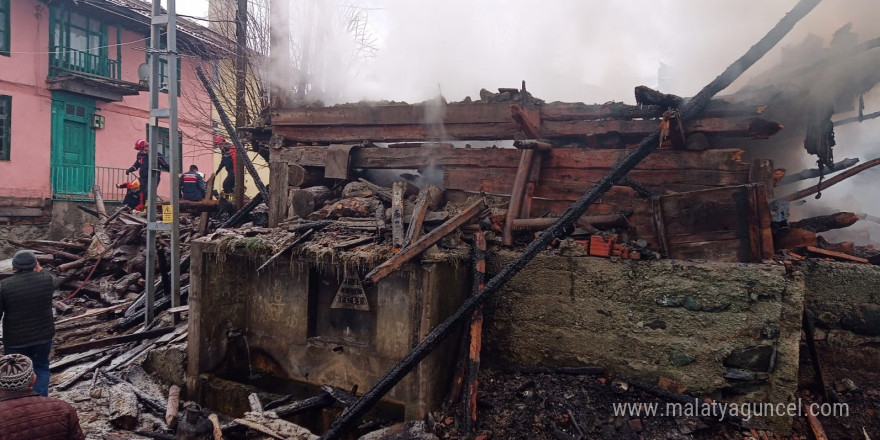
{"points": [[75, 60], [75, 182]]}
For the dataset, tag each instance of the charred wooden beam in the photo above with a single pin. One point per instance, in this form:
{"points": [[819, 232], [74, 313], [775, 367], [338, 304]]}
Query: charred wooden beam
{"points": [[563, 158], [383, 270], [649, 144], [418, 217], [836, 255], [237, 218], [832, 181], [814, 172], [290, 246], [470, 381], [825, 223], [648, 96]]}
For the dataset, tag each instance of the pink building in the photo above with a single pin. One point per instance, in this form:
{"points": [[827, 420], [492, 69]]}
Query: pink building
{"points": [[72, 105]]}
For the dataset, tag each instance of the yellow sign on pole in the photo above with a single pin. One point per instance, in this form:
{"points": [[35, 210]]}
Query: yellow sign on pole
{"points": [[167, 214]]}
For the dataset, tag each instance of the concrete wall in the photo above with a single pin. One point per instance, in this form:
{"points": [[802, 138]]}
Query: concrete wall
{"points": [[282, 313], [688, 322]]}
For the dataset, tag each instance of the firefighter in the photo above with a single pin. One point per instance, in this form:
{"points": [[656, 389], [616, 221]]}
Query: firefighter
{"points": [[192, 185], [134, 197], [226, 162], [142, 163]]}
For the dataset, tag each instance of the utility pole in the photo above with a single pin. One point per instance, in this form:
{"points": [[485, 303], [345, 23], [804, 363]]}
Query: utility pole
{"points": [[241, 17], [175, 159], [162, 22]]}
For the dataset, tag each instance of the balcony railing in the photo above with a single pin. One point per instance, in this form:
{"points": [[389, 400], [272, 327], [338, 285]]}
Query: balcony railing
{"points": [[75, 182], [64, 58]]}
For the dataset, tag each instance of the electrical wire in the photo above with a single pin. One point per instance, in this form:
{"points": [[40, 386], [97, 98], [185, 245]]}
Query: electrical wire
{"points": [[91, 48]]}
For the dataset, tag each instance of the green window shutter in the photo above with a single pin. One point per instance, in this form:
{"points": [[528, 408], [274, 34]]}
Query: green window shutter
{"points": [[4, 27], [5, 126]]}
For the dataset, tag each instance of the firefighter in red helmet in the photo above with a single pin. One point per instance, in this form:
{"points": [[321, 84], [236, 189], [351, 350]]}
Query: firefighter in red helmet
{"points": [[142, 163]]}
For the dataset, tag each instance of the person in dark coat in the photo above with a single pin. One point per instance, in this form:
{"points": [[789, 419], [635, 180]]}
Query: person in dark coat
{"points": [[26, 309], [192, 185], [227, 162], [24, 414], [142, 164]]}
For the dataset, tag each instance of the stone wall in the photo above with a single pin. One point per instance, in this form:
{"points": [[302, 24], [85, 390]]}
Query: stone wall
{"points": [[844, 299], [720, 329]]}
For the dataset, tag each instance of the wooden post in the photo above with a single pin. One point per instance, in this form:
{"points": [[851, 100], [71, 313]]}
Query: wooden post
{"points": [[516, 195], [471, 379], [209, 194], [278, 202]]}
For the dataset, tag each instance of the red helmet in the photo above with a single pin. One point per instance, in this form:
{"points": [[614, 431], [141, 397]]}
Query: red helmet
{"points": [[219, 140], [141, 145]]}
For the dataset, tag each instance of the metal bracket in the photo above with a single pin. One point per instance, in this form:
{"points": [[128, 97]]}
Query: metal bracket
{"points": [[158, 226]]}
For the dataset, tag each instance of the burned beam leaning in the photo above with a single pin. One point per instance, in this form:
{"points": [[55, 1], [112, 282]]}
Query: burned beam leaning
{"points": [[646, 146]]}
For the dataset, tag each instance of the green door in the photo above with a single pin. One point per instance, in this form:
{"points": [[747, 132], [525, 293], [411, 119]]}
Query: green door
{"points": [[73, 145]]}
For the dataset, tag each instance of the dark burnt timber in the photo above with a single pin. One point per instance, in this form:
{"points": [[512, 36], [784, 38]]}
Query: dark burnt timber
{"points": [[648, 96], [814, 172], [575, 211], [832, 181], [827, 222]]}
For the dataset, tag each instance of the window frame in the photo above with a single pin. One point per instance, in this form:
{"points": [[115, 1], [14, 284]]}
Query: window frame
{"points": [[163, 64], [6, 122], [60, 25], [165, 139], [6, 37]]}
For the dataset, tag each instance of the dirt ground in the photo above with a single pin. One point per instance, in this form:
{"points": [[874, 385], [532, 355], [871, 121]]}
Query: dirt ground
{"points": [[568, 407]]}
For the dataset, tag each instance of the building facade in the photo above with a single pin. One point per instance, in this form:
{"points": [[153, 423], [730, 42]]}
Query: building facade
{"points": [[72, 103]]}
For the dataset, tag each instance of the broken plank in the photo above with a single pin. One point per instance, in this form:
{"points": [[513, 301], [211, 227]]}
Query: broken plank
{"points": [[74, 359], [91, 367], [423, 243], [517, 193], [836, 255], [290, 246], [417, 219], [113, 340], [94, 312]]}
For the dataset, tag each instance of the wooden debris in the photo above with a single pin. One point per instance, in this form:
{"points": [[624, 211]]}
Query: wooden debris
{"points": [[471, 379], [418, 217], [815, 424], [825, 223], [793, 238], [153, 405], [173, 406], [353, 207], [423, 243], [832, 181], [302, 237], [254, 402], [517, 194], [304, 201], [86, 370], [397, 232], [76, 348], [836, 255], [93, 312], [218, 432]]}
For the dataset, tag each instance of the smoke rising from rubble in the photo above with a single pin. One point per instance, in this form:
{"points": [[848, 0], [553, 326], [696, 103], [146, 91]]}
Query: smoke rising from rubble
{"points": [[575, 50]]}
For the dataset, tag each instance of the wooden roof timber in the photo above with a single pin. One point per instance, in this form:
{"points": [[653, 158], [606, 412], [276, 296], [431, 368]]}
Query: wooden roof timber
{"points": [[445, 155], [493, 121]]}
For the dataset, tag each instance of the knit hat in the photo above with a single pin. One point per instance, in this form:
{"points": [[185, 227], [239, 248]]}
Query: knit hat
{"points": [[16, 372], [24, 260]]}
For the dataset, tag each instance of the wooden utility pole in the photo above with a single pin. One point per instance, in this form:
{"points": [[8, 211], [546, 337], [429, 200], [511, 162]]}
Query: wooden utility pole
{"points": [[241, 17]]}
